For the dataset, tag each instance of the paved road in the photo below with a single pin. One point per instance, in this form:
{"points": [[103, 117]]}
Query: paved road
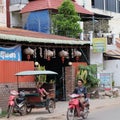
{"points": [[61, 108], [109, 113]]}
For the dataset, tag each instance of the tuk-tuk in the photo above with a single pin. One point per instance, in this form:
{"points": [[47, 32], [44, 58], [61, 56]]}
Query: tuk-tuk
{"points": [[33, 98]]}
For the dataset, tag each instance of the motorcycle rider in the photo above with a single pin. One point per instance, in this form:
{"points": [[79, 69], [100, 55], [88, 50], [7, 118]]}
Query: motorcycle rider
{"points": [[81, 90]]}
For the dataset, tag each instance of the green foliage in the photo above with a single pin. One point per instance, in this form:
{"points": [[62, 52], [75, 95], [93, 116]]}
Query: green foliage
{"points": [[40, 78], [65, 23], [113, 83], [89, 75], [3, 114]]}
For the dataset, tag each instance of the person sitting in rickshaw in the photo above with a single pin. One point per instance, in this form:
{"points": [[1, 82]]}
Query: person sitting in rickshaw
{"points": [[42, 91]]}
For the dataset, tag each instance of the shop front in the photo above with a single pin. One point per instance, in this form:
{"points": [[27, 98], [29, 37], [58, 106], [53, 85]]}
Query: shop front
{"points": [[51, 52]]}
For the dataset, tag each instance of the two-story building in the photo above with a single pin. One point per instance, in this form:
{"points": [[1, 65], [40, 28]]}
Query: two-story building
{"points": [[105, 24]]}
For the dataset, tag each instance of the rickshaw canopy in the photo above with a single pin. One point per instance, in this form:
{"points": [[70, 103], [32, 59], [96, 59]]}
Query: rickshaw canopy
{"points": [[36, 72]]}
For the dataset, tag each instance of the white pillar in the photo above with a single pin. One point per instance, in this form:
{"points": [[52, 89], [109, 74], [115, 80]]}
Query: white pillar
{"points": [[91, 36], [113, 39], [81, 36]]}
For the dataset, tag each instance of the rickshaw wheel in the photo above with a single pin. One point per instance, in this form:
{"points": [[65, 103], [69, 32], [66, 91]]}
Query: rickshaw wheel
{"points": [[51, 106], [28, 110], [23, 110]]}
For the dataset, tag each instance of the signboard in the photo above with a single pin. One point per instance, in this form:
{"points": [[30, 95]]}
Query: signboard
{"points": [[99, 44], [11, 53], [106, 80]]}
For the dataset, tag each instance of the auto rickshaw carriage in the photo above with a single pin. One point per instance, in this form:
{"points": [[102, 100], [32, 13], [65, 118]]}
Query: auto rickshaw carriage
{"points": [[33, 97]]}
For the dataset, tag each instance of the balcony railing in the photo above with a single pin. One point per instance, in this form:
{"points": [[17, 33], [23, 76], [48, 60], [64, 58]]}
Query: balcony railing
{"points": [[13, 2]]}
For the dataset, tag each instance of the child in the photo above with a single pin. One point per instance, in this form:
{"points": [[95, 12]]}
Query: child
{"points": [[41, 90]]}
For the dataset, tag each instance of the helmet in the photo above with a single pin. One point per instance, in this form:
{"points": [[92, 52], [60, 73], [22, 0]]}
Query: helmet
{"points": [[22, 94]]}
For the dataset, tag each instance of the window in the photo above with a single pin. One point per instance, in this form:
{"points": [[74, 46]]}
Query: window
{"points": [[110, 5], [93, 3], [118, 6], [98, 4], [1, 9], [109, 40], [1, 6]]}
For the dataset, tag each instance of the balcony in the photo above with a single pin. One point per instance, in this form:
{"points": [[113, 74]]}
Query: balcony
{"points": [[14, 2], [17, 5]]}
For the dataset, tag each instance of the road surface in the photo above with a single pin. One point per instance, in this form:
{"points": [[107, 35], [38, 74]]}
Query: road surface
{"points": [[108, 113], [100, 109]]}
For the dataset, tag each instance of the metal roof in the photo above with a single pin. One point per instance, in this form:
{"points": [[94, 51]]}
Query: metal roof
{"points": [[30, 39], [51, 4], [35, 72]]}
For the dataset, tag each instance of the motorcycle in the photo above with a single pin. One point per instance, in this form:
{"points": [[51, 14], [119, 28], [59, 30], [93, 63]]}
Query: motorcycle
{"points": [[75, 109], [16, 103]]}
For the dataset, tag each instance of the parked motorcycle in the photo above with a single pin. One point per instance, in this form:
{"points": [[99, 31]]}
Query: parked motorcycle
{"points": [[74, 108], [16, 102]]}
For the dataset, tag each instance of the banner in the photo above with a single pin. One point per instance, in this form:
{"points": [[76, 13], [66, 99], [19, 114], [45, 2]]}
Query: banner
{"points": [[11, 53], [106, 80], [99, 44]]}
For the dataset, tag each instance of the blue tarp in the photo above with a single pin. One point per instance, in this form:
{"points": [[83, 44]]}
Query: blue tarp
{"points": [[38, 21]]}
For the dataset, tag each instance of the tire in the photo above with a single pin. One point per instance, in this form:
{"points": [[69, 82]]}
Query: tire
{"points": [[23, 110], [71, 114], [9, 111], [29, 109], [85, 113], [51, 106]]}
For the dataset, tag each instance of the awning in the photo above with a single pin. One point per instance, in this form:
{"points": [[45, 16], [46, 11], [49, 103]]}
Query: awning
{"points": [[26, 36], [113, 53], [17, 38], [101, 16]]}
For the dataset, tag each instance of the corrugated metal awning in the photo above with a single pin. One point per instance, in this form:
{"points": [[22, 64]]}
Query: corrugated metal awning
{"points": [[113, 53], [18, 38]]}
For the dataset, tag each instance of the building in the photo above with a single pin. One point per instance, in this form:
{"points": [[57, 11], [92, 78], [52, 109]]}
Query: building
{"points": [[31, 15], [105, 19], [110, 8], [104, 10], [14, 43], [3, 16], [104, 24]]}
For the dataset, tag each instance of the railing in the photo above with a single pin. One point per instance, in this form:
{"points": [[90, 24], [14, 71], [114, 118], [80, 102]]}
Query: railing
{"points": [[86, 37], [13, 2]]}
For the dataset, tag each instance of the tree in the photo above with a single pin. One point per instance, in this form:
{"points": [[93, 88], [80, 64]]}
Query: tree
{"points": [[65, 22], [89, 76]]}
